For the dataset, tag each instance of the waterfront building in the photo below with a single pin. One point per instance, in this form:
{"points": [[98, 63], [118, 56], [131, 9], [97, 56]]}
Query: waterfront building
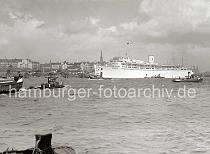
{"points": [[89, 67], [18, 65], [6, 63], [56, 66], [45, 67], [28, 64], [64, 65]]}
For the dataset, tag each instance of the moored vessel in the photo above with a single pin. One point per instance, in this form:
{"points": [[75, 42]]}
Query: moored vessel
{"points": [[52, 83], [194, 79], [124, 67], [11, 85]]}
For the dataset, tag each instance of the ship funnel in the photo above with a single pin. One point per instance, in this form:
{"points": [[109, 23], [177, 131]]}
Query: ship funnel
{"points": [[151, 59]]}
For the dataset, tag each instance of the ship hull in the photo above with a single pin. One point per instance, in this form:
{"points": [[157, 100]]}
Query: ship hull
{"points": [[10, 87], [129, 73]]}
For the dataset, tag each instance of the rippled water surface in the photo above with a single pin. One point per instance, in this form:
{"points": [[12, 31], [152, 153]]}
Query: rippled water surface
{"points": [[97, 125]]}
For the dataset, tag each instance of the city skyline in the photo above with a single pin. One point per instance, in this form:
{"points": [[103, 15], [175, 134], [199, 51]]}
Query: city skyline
{"points": [[61, 30]]}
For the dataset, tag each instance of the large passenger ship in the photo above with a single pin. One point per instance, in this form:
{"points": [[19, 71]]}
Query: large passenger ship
{"points": [[124, 67]]}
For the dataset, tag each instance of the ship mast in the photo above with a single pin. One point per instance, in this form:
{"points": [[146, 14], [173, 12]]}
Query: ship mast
{"points": [[126, 50], [127, 45], [182, 61], [8, 71], [126, 54]]}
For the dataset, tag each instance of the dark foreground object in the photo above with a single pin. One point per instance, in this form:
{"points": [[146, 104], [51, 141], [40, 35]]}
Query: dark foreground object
{"points": [[11, 85], [43, 146]]}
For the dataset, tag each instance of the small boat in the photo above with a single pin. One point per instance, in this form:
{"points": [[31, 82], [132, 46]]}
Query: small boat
{"points": [[94, 77], [158, 76], [51, 84], [43, 146], [11, 85], [190, 79]]}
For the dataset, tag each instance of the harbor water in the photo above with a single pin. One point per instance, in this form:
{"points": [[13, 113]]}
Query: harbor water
{"points": [[111, 125]]}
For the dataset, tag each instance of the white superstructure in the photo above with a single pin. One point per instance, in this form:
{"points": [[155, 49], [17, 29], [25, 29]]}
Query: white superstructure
{"points": [[124, 67]]}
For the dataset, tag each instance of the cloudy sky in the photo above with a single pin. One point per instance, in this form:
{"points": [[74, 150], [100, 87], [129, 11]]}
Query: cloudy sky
{"points": [[71, 30]]}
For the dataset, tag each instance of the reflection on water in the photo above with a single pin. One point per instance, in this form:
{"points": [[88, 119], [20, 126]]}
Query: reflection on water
{"points": [[111, 125]]}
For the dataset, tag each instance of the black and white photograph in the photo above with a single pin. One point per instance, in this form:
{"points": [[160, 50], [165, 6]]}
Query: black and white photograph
{"points": [[104, 77]]}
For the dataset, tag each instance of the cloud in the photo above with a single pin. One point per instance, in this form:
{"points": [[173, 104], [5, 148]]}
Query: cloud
{"points": [[94, 21], [130, 26], [25, 19], [29, 36], [112, 29], [176, 17], [71, 29]]}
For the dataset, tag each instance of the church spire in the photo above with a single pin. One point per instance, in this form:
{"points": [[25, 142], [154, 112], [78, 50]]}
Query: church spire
{"points": [[101, 58]]}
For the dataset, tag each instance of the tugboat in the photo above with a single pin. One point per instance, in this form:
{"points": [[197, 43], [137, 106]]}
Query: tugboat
{"points": [[191, 78], [43, 146], [11, 85], [51, 84]]}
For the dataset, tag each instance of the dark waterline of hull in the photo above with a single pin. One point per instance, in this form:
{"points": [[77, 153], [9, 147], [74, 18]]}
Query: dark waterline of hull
{"points": [[11, 87]]}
